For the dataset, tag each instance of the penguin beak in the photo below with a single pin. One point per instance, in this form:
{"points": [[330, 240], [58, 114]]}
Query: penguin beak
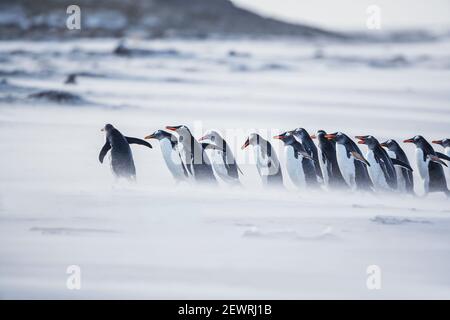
{"points": [[439, 142], [171, 128], [203, 138], [408, 141], [102, 129], [362, 139], [330, 136], [313, 136], [383, 144], [279, 137], [247, 142], [152, 136]]}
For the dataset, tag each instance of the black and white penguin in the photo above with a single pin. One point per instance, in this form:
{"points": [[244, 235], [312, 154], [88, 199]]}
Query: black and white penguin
{"points": [[304, 138], [381, 170], [446, 144], [352, 164], [196, 160], [222, 158], [299, 164], [122, 163], [267, 162], [328, 162], [405, 179], [169, 148], [430, 166]]}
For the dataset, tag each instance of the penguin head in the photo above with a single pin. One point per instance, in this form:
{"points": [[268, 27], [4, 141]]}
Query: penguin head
{"points": [[107, 128], [286, 137], [159, 135], [300, 133], [418, 140], [320, 135], [368, 140], [444, 142], [212, 135], [253, 139], [391, 144], [338, 137], [183, 132]]}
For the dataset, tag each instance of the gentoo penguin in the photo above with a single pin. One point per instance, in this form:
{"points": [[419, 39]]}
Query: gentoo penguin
{"points": [[304, 138], [405, 180], [196, 160], [169, 148], [446, 144], [352, 164], [430, 166], [122, 163], [299, 164], [267, 162], [381, 170], [222, 158], [327, 157]]}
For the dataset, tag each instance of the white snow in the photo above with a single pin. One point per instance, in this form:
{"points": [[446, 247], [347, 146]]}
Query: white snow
{"points": [[59, 206]]}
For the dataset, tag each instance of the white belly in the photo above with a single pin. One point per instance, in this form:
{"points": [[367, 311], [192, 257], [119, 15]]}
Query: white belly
{"points": [[294, 168], [423, 169], [219, 167], [262, 163], [421, 165], [172, 159], [346, 165], [376, 173], [323, 167]]}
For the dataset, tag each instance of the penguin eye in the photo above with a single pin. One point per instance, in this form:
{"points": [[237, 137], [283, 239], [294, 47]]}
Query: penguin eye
{"points": [[213, 138]]}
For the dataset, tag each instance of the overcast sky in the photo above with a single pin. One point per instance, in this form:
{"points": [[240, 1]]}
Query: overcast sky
{"points": [[351, 14]]}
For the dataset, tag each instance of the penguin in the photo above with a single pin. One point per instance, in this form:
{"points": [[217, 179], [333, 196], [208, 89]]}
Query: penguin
{"points": [[299, 164], [267, 162], [304, 138], [430, 166], [196, 160], [446, 144], [223, 161], [122, 163], [332, 176], [381, 170], [405, 179], [352, 164], [169, 148]]}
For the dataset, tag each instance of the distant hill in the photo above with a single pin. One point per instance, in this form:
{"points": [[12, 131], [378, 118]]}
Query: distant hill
{"points": [[146, 18]]}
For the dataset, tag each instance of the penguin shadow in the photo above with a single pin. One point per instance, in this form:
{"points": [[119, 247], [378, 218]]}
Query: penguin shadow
{"points": [[326, 234]]}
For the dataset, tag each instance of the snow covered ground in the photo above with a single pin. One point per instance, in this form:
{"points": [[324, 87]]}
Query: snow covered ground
{"points": [[59, 206]]}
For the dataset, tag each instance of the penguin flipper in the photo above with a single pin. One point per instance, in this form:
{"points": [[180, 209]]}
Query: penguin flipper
{"points": [[436, 159], [443, 156], [359, 157], [306, 155], [132, 140], [397, 162], [104, 151]]}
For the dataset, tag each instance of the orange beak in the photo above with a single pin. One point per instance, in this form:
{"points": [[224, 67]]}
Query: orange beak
{"points": [[247, 142], [330, 136], [362, 139], [150, 136], [383, 144], [408, 141], [313, 136], [171, 128], [279, 137], [439, 142]]}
